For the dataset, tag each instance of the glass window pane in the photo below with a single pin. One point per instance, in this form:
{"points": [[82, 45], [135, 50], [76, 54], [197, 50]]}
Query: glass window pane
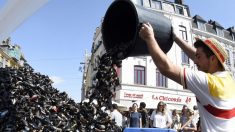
{"points": [[201, 26], [228, 60], [179, 10], [156, 5], [161, 80], [168, 7], [137, 2], [234, 59], [146, 3], [219, 32], [183, 32], [139, 75]]}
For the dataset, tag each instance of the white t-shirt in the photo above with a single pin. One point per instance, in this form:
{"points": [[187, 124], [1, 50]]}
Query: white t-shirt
{"points": [[117, 116], [215, 95], [160, 120]]}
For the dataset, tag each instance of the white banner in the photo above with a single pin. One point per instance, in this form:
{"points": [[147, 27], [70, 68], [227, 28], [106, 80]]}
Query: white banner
{"points": [[15, 12]]}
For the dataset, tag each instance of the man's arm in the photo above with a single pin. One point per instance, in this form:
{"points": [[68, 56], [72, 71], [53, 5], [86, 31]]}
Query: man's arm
{"points": [[188, 49], [163, 63]]}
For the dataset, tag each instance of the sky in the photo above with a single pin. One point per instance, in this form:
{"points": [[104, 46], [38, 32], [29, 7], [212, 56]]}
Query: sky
{"points": [[55, 38]]}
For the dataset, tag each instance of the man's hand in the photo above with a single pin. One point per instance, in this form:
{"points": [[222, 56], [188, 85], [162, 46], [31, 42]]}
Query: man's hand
{"points": [[146, 32]]}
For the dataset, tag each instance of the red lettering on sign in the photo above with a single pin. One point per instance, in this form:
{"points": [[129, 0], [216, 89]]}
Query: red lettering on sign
{"points": [[167, 98], [133, 96]]}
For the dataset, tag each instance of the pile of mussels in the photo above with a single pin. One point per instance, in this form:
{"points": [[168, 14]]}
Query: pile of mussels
{"points": [[28, 102]]}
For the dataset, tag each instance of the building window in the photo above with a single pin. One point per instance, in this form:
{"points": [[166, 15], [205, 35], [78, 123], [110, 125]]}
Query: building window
{"points": [[185, 58], [139, 75], [201, 25], [156, 5], [146, 3], [138, 2], [168, 7], [161, 81], [228, 63], [179, 10], [99, 43], [96, 63], [219, 32], [1, 61], [183, 33], [234, 59]]}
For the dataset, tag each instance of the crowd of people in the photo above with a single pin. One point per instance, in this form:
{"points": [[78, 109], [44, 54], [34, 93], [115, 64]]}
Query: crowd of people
{"points": [[186, 120]]}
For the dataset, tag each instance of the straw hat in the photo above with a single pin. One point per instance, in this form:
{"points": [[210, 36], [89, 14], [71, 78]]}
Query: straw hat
{"points": [[217, 49]]}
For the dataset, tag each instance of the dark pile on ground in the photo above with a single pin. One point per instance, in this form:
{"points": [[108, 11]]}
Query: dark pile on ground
{"points": [[29, 102]]}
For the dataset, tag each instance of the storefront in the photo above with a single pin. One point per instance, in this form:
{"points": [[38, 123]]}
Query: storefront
{"points": [[173, 101]]}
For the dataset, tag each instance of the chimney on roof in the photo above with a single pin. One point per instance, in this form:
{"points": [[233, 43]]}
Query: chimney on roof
{"points": [[231, 29], [179, 2], [210, 21]]}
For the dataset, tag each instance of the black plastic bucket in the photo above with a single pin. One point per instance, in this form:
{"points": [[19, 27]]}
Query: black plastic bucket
{"points": [[120, 29]]}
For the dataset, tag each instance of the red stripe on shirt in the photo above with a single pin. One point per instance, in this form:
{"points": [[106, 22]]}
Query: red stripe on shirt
{"points": [[226, 114]]}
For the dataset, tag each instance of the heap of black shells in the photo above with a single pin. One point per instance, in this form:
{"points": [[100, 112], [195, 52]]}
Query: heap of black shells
{"points": [[28, 102], [104, 86]]}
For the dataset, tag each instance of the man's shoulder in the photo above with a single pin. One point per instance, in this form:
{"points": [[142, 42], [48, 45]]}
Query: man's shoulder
{"points": [[143, 111]]}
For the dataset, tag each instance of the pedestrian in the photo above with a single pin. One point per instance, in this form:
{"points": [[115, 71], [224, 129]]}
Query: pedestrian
{"points": [[144, 115], [124, 119], [167, 110], [196, 113], [190, 125], [175, 120], [159, 117], [183, 117], [149, 114], [213, 87], [135, 117], [116, 116]]}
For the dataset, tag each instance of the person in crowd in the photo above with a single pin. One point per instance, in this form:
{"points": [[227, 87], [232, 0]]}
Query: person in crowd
{"points": [[212, 85], [196, 113], [198, 125], [135, 117], [130, 109], [144, 115], [125, 115], [183, 117], [116, 116], [159, 117], [167, 110], [190, 125], [149, 114], [175, 120]]}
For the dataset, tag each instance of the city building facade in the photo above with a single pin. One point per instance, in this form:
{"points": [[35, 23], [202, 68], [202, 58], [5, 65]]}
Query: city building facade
{"points": [[11, 55], [139, 77]]}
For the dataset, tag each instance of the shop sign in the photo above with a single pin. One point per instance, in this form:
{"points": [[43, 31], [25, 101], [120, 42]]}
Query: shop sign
{"points": [[133, 95], [172, 99], [169, 98]]}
